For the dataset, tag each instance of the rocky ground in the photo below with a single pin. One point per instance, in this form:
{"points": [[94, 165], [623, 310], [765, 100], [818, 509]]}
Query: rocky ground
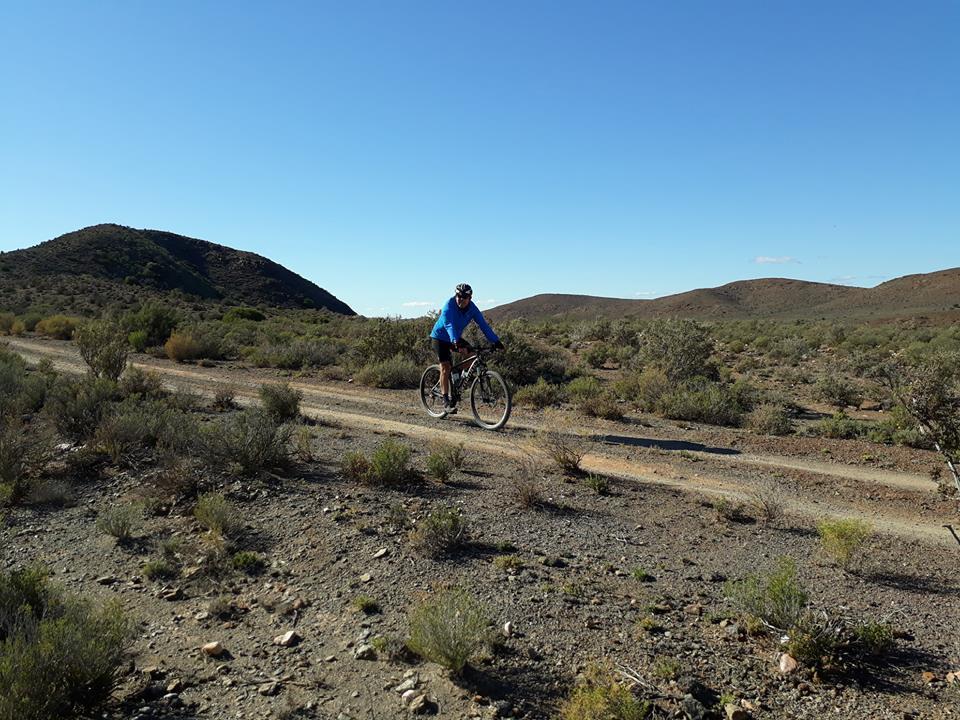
{"points": [[633, 579]]}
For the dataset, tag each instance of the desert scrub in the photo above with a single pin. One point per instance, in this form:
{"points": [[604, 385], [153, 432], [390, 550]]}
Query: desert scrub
{"points": [[448, 628], [680, 348], [159, 569], [814, 639], [141, 383], [839, 426], [598, 483], [366, 605], [439, 467], [60, 656], [874, 638], [442, 532], [396, 372], [539, 395], [355, 466], [24, 451], [120, 521], [218, 515], [508, 563], [604, 406], [453, 452], [250, 440], [248, 562], [641, 575], [103, 348], [770, 419], [60, 327], [389, 463], [76, 407], [527, 488], [776, 598], [842, 538], [666, 668], [281, 401], [645, 388], [564, 449], [181, 346], [600, 697], [224, 398], [703, 401], [836, 390]]}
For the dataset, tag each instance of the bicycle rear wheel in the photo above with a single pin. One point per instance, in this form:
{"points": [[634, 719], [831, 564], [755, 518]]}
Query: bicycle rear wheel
{"points": [[431, 397], [490, 401]]}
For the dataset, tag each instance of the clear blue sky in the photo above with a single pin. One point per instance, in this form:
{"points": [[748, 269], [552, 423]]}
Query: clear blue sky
{"points": [[388, 150]]}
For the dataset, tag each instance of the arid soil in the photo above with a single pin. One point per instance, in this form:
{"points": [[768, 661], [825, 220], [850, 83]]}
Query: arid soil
{"points": [[571, 597]]}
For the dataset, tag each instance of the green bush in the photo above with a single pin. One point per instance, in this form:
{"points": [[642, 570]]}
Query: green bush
{"points": [[539, 395], [842, 537], [899, 428], [439, 467], [644, 388], [103, 348], [836, 390], [770, 419], [138, 340], [776, 598], [840, 426], [152, 324], [389, 463], [601, 697], [251, 441], [248, 562], [6, 323], [394, 373], [59, 655], [159, 569], [23, 453], [180, 347], [604, 405], [814, 638], [218, 515], [59, 327], [680, 348], [454, 453], [703, 401], [143, 383], [585, 386], [355, 466], [296, 354], [442, 532], [874, 638], [281, 401], [119, 522], [598, 483], [243, 313], [145, 423], [78, 406], [448, 628]]}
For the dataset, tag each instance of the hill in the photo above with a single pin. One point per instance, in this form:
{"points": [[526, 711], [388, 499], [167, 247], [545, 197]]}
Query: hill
{"points": [[105, 264], [934, 295]]}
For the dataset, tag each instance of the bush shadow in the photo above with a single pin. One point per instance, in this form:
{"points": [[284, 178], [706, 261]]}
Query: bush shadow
{"points": [[667, 445]]}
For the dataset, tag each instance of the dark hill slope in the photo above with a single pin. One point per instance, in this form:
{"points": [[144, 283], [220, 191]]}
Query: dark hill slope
{"points": [[123, 264], [933, 294]]}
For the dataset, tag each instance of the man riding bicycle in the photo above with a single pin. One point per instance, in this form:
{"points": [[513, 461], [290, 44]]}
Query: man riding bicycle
{"points": [[447, 335]]}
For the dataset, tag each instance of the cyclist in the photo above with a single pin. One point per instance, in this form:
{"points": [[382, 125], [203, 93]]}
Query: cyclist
{"points": [[456, 314]]}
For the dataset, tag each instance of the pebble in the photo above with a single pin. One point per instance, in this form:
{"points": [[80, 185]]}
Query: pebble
{"points": [[288, 639], [269, 688], [787, 664], [365, 652], [213, 649]]}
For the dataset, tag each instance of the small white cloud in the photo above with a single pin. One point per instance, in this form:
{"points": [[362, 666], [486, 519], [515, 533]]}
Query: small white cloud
{"points": [[843, 278], [645, 294], [771, 260], [418, 303]]}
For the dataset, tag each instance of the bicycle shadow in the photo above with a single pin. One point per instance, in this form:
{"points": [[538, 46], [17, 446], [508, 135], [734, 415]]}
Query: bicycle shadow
{"points": [[667, 445]]}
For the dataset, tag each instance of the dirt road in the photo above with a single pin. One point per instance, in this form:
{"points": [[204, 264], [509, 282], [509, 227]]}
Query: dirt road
{"points": [[898, 503]]}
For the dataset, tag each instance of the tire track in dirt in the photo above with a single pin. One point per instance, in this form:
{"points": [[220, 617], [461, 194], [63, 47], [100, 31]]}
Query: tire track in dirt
{"points": [[513, 447]]}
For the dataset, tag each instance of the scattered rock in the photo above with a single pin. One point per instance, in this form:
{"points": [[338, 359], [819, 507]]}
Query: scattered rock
{"points": [[407, 685], [288, 639], [171, 594], [735, 712], [382, 552], [213, 649], [693, 708], [106, 580], [175, 686], [366, 577], [365, 652], [787, 664], [928, 677], [202, 615], [508, 629], [269, 688], [408, 695], [422, 705]]}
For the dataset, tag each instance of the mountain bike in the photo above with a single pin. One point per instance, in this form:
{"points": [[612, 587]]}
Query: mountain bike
{"points": [[490, 399]]}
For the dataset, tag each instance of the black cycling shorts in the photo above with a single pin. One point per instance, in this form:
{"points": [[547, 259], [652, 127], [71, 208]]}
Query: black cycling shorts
{"points": [[442, 349]]}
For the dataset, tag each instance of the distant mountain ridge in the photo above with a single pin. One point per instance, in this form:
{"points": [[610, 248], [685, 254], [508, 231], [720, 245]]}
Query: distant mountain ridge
{"points": [[123, 262], [935, 295]]}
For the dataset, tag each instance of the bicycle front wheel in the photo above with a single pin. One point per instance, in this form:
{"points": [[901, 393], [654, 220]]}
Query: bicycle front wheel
{"points": [[431, 397], [490, 401]]}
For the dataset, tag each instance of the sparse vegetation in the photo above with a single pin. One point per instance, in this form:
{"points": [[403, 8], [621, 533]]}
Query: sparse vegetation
{"points": [[120, 521], [218, 515], [251, 441], [281, 401], [598, 483], [248, 562], [601, 697], [389, 464], [103, 347], [448, 628], [441, 532], [841, 538], [776, 599]]}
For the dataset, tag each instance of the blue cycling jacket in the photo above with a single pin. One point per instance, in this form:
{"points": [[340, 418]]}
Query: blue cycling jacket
{"points": [[453, 321]]}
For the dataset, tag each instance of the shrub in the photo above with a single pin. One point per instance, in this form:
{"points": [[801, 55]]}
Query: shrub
{"points": [[6, 323], [183, 346], [103, 348], [539, 395], [565, 450], [448, 628], [598, 483], [23, 454], [874, 638], [159, 569], [441, 532], [528, 485], [601, 697], [604, 406], [145, 383], [138, 340], [144, 423], [836, 390], [770, 419], [840, 426], [900, 428], [585, 386], [439, 467], [243, 313], [60, 327], [814, 638], [59, 655], [119, 521], [389, 463], [218, 515], [281, 401], [366, 604], [78, 406], [396, 372], [645, 388], [702, 401], [224, 397], [295, 355], [776, 598], [841, 538], [153, 323], [454, 453], [355, 466], [250, 440], [248, 562], [680, 348]]}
